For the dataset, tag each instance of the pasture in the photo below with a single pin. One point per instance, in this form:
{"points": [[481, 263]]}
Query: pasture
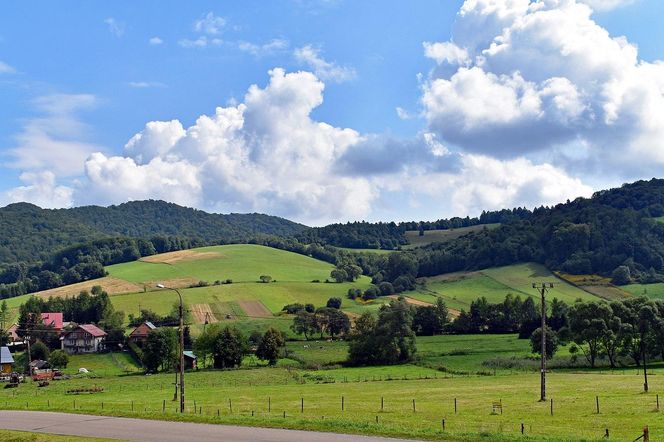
{"points": [[239, 262], [461, 288], [442, 236], [406, 401], [654, 291]]}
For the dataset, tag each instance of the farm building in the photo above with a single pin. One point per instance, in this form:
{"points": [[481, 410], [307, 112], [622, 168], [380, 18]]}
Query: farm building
{"points": [[52, 320], [140, 333], [6, 361], [190, 360], [86, 338]]}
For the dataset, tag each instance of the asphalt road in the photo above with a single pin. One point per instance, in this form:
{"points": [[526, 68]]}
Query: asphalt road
{"points": [[161, 431]]}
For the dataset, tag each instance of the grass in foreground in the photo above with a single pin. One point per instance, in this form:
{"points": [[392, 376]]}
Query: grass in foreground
{"points": [[25, 436], [262, 396]]}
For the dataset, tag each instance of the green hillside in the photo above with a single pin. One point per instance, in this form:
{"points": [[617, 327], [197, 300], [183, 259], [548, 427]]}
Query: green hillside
{"points": [[460, 289], [241, 263], [443, 235]]}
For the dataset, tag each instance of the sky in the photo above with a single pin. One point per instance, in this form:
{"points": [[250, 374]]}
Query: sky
{"points": [[329, 110]]}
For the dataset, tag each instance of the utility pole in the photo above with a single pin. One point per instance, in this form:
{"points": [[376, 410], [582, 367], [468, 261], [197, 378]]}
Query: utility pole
{"points": [[181, 311], [542, 288], [27, 338]]}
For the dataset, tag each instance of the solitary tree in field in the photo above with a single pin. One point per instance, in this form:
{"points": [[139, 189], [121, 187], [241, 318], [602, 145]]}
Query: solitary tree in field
{"points": [[271, 345], [305, 323], [228, 348], [265, 278]]}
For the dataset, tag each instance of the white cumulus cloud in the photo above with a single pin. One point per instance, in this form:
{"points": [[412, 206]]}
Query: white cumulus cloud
{"points": [[264, 154], [534, 77], [40, 188]]}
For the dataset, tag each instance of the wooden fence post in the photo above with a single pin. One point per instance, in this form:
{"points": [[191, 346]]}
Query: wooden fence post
{"points": [[269, 404], [342, 403], [382, 403], [413, 405], [455, 406], [551, 406], [597, 403]]}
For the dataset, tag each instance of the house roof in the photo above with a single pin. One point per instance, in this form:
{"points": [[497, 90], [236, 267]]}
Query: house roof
{"points": [[137, 331], [92, 329], [54, 319], [6, 356], [38, 363], [189, 354]]}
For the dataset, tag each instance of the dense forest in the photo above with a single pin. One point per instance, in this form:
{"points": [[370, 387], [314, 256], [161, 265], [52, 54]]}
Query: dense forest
{"points": [[31, 234], [615, 233], [390, 236]]}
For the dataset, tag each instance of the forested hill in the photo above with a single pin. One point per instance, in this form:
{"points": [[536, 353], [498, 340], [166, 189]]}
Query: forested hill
{"points": [[617, 230], [31, 234]]}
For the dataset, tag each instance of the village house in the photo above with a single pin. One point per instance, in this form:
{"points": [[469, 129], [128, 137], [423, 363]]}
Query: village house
{"points": [[85, 338], [6, 361], [13, 335], [140, 334], [53, 320]]}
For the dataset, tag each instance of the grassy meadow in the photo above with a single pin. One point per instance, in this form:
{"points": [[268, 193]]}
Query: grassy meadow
{"points": [[296, 397], [460, 289], [441, 236], [239, 262]]}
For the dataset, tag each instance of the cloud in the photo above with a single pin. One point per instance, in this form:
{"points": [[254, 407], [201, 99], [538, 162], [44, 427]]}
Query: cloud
{"points": [[265, 154], [6, 69], [275, 45], [155, 41], [325, 70], [210, 24], [116, 28], [54, 140], [146, 84], [200, 42], [607, 5], [40, 188], [540, 78]]}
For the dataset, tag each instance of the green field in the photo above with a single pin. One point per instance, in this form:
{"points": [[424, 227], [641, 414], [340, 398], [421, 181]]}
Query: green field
{"points": [[460, 289], [241, 263], [654, 291], [442, 236], [624, 409]]}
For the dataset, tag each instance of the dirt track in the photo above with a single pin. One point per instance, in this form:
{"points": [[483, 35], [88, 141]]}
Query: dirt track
{"points": [[144, 430]]}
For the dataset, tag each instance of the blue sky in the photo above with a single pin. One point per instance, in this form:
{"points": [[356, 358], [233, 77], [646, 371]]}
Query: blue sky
{"points": [[384, 128]]}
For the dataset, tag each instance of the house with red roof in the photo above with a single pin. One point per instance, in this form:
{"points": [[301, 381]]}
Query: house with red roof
{"points": [[140, 334], [85, 338], [53, 320]]}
